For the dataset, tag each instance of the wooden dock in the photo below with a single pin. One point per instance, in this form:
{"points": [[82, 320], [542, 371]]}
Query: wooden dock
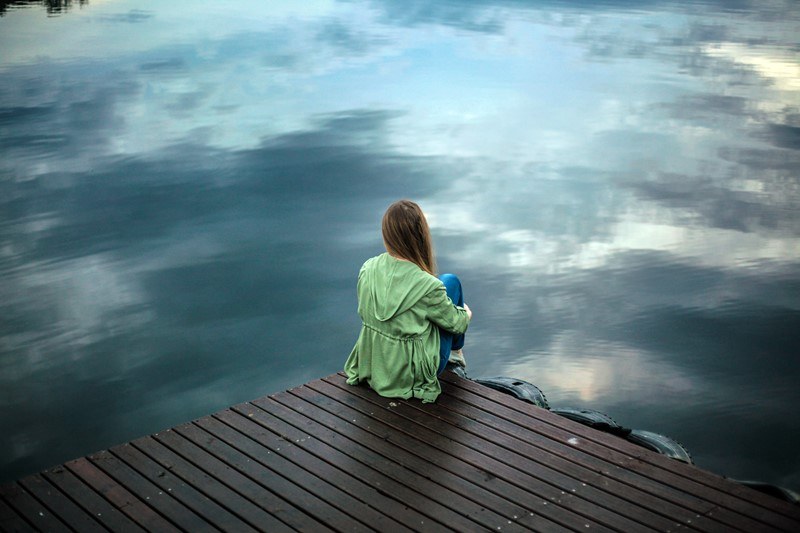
{"points": [[330, 457]]}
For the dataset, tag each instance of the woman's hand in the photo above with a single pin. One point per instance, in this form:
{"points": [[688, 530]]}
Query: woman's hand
{"points": [[468, 310]]}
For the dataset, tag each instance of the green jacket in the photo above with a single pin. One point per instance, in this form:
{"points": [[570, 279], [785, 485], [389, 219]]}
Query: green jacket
{"points": [[397, 351]]}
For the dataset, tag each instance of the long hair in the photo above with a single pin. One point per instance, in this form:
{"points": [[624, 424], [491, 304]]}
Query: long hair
{"points": [[406, 235]]}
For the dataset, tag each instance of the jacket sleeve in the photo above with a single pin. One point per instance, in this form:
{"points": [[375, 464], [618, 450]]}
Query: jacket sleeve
{"points": [[441, 310]]}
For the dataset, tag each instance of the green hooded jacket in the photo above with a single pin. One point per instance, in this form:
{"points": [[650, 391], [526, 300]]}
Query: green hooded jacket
{"points": [[397, 351]]}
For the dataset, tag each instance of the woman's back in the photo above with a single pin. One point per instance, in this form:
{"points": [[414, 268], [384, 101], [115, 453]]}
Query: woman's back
{"points": [[389, 294]]}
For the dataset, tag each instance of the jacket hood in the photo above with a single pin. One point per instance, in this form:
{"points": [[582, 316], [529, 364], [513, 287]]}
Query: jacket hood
{"points": [[390, 286]]}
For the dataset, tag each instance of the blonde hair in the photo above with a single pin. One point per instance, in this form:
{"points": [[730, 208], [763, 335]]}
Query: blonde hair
{"points": [[406, 235]]}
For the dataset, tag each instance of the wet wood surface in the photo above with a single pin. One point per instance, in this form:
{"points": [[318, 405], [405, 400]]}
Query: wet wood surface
{"points": [[327, 456]]}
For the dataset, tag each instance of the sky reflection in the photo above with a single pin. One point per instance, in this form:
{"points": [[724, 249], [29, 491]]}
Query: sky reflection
{"points": [[187, 190]]}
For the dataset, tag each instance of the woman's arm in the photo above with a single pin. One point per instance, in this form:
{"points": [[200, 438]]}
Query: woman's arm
{"points": [[441, 311]]}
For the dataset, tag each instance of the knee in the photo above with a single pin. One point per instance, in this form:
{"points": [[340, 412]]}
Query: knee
{"points": [[451, 282]]}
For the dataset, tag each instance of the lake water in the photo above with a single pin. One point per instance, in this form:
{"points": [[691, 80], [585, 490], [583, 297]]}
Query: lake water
{"points": [[187, 191]]}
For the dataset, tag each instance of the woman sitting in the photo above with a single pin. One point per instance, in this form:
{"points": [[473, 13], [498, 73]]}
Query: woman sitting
{"points": [[413, 323]]}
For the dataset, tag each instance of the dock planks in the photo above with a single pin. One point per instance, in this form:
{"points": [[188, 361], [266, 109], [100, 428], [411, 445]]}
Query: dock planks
{"points": [[326, 456]]}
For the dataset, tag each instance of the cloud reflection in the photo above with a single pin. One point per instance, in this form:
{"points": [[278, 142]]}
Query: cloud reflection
{"points": [[615, 183], [234, 250], [134, 16]]}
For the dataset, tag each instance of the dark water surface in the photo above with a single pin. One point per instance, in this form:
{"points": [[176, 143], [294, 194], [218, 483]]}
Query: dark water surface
{"points": [[187, 191]]}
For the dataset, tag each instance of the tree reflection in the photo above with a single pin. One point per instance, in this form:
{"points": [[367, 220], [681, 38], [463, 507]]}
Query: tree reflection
{"points": [[54, 7]]}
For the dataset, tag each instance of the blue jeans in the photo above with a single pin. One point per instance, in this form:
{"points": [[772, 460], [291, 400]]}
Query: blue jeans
{"points": [[447, 340]]}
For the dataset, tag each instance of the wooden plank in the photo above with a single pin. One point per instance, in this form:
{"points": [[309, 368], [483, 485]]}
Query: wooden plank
{"points": [[268, 453], [326, 456], [487, 511], [300, 487], [119, 496], [289, 511], [271, 437], [644, 492], [545, 483], [687, 478], [22, 501], [479, 409], [509, 483], [11, 521], [470, 496], [452, 408], [59, 504], [90, 500], [161, 501], [386, 477], [628, 456], [566, 475], [208, 509], [214, 489], [434, 495]]}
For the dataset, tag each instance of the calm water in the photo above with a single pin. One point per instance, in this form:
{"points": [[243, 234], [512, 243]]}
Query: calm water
{"points": [[187, 191]]}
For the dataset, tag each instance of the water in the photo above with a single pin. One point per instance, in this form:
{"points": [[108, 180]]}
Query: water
{"points": [[187, 191]]}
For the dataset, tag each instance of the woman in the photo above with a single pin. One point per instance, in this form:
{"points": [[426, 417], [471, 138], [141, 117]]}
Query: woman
{"points": [[411, 325]]}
